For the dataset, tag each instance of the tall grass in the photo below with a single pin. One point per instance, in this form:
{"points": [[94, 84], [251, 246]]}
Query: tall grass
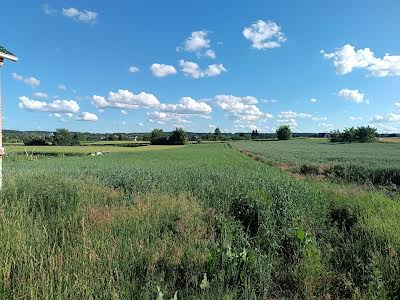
{"points": [[201, 222]]}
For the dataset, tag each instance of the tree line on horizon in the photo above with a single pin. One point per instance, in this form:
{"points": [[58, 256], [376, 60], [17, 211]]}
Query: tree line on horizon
{"points": [[65, 137]]}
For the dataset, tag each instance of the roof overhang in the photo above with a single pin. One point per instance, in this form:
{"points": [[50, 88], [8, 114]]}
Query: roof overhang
{"points": [[8, 56]]}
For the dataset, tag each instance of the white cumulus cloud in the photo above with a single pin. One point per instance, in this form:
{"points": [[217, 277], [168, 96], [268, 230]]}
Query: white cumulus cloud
{"points": [[347, 58], [352, 95], [161, 70], [291, 122], [187, 105], [124, 99], [244, 109], [264, 35], [66, 117], [31, 81], [391, 117], [389, 65], [211, 54], [85, 16], [355, 118], [87, 116], [193, 70], [196, 41], [40, 95], [293, 115], [133, 69], [56, 106]]}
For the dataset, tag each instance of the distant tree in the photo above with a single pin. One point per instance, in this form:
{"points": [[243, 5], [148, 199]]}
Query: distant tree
{"points": [[62, 137], [254, 134], [178, 137], [336, 136], [144, 137], [366, 134], [284, 132], [217, 134], [158, 137], [355, 135], [349, 135], [35, 141]]}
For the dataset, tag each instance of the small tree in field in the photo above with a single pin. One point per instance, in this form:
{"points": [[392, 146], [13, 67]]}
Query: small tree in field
{"points": [[284, 133], [355, 135], [157, 137], [178, 137], [366, 134], [217, 134], [62, 137], [336, 136], [349, 135]]}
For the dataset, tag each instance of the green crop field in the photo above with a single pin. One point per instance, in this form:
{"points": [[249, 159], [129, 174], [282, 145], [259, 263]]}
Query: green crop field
{"points": [[191, 222], [18, 151], [115, 143], [375, 162]]}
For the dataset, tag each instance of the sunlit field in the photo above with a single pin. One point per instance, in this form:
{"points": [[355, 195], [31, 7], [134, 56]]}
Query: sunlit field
{"points": [[378, 163], [191, 222], [20, 150], [390, 140]]}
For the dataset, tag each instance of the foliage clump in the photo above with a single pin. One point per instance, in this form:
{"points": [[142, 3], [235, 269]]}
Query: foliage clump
{"points": [[35, 141], [177, 137], [354, 135], [62, 137], [284, 132]]}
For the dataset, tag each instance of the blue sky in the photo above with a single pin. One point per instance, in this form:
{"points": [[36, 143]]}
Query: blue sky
{"points": [[101, 67]]}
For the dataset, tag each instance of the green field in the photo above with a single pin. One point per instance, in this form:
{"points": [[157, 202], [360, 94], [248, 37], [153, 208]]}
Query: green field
{"points": [[197, 222], [376, 162], [115, 143], [17, 151]]}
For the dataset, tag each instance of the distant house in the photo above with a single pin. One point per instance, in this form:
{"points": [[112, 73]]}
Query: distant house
{"points": [[323, 135]]}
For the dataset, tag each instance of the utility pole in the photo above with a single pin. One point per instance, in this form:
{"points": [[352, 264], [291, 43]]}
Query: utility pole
{"points": [[4, 55]]}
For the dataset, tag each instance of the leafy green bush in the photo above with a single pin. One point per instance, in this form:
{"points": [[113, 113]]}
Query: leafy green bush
{"points": [[62, 137], [284, 132], [177, 137], [355, 135], [35, 141], [158, 137]]}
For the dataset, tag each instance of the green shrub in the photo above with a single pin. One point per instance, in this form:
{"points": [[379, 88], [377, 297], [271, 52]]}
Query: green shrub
{"points": [[62, 137], [178, 137], [355, 135], [158, 137], [284, 132], [35, 141]]}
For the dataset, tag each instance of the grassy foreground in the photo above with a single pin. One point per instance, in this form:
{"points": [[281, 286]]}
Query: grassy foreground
{"points": [[195, 222]]}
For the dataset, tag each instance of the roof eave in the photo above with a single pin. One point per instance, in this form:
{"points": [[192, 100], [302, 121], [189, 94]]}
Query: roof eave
{"points": [[8, 56]]}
